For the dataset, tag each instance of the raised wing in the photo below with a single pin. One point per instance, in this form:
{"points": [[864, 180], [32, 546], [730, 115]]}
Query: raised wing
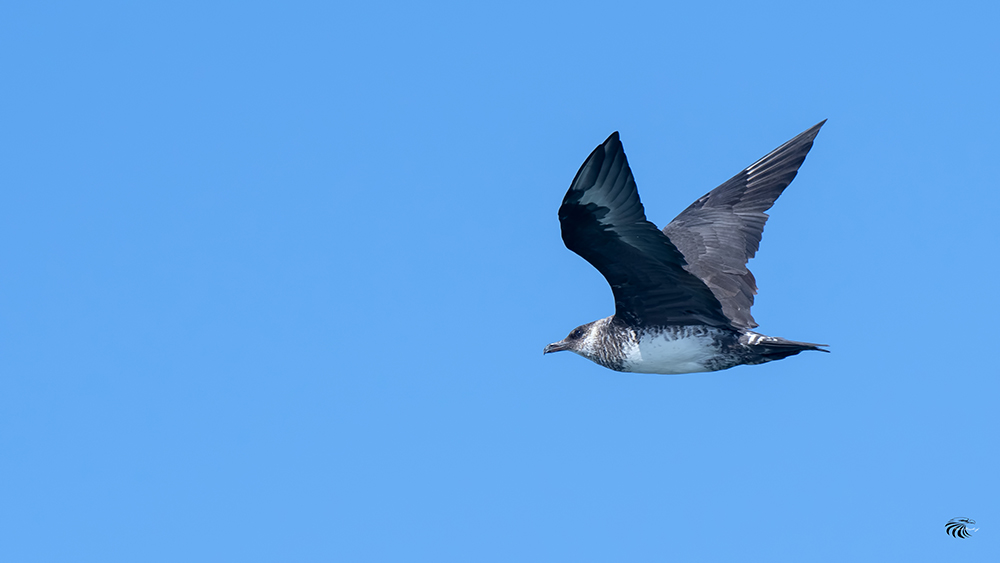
{"points": [[720, 232], [603, 221]]}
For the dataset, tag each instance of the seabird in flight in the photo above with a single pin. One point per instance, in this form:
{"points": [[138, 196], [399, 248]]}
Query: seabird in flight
{"points": [[683, 294]]}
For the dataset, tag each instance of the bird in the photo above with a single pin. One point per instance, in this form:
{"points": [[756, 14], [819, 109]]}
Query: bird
{"points": [[682, 294]]}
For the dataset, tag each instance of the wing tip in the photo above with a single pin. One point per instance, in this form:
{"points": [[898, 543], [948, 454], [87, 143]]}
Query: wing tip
{"points": [[812, 131], [801, 143]]}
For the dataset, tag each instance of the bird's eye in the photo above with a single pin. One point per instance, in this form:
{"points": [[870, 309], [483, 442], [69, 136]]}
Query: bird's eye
{"points": [[576, 334]]}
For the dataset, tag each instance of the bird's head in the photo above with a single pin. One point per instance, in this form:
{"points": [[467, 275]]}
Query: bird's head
{"points": [[575, 342]]}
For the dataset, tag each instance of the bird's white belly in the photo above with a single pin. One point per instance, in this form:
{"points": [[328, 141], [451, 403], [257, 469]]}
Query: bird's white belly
{"points": [[669, 354]]}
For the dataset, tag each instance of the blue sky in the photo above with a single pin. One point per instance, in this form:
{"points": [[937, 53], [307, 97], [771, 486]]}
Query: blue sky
{"points": [[275, 280]]}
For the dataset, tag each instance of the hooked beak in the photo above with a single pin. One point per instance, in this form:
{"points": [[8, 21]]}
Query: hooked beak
{"points": [[555, 347]]}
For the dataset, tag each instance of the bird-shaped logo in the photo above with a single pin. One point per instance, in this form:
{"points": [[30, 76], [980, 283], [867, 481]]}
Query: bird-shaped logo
{"points": [[959, 527]]}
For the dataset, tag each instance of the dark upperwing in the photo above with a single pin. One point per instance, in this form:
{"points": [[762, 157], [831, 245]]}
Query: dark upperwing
{"points": [[603, 221], [721, 231]]}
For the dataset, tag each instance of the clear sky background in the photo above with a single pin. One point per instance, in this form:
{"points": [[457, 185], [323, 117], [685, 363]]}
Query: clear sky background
{"points": [[275, 281]]}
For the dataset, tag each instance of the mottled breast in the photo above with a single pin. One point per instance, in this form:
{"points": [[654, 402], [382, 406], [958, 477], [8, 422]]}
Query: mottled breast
{"points": [[677, 350]]}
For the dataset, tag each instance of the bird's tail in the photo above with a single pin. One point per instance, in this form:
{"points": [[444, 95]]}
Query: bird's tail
{"points": [[775, 348]]}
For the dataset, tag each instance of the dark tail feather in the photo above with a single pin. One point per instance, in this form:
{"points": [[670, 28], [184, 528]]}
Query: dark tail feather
{"points": [[776, 348]]}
